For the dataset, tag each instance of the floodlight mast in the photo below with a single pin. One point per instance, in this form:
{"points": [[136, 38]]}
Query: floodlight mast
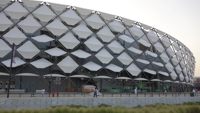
{"points": [[11, 64]]}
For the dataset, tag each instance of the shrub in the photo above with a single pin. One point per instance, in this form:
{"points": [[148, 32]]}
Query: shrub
{"points": [[104, 105], [103, 108]]}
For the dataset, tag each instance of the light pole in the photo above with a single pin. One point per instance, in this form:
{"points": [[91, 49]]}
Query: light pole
{"points": [[11, 63]]}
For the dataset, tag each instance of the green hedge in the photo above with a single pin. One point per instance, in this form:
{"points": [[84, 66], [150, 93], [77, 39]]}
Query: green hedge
{"points": [[185, 108]]}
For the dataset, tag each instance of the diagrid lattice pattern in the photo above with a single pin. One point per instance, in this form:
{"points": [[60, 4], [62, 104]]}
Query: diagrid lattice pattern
{"points": [[54, 38]]}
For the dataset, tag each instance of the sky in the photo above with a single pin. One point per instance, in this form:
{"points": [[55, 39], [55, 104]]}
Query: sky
{"points": [[179, 18]]}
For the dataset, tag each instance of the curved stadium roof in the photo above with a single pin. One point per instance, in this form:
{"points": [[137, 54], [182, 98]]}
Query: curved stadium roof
{"points": [[72, 40]]}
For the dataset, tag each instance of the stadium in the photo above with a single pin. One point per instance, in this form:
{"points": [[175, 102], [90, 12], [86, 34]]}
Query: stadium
{"points": [[64, 48]]}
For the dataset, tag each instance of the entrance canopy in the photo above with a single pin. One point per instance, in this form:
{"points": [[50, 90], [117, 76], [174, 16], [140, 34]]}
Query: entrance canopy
{"points": [[53, 75], [155, 80], [102, 77], [141, 79], [167, 81], [176, 82], [79, 76], [27, 74], [3, 74], [122, 78]]}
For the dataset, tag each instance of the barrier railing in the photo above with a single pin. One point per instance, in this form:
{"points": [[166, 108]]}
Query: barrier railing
{"points": [[80, 94]]}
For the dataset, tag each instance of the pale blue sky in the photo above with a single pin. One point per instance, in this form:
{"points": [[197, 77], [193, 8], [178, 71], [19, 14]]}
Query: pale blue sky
{"points": [[179, 18]]}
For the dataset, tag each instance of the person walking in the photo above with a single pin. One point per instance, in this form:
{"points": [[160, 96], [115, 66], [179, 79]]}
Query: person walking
{"points": [[95, 92], [194, 92], [135, 90]]}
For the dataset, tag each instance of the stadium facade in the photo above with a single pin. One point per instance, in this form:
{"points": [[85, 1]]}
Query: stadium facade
{"points": [[64, 47]]}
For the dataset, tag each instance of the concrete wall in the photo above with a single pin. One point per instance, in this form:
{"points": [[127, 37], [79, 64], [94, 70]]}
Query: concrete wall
{"points": [[42, 102]]}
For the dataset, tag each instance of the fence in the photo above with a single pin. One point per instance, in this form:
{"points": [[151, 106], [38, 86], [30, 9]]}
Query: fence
{"points": [[79, 94]]}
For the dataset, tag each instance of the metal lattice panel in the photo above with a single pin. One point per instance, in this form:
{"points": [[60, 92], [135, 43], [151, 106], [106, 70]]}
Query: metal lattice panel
{"points": [[57, 27], [14, 36], [43, 13], [28, 50], [94, 21], [41, 63], [93, 44], [70, 17], [104, 56], [16, 11], [4, 49], [5, 23], [69, 41], [68, 65], [29, 24]]}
